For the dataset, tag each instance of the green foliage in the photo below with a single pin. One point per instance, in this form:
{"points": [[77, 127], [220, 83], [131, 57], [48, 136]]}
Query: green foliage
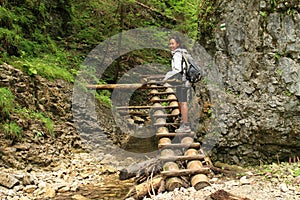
{"points": [[27, 38], [104, 97], [273, 3], [277, 56], [51, 39], [37, 134], [283, 171], [6, 102], [47, 122], [164, 103], [208, 12], [296, 173], [263, 13], [48, 66], [31, 114], [12, 131]]}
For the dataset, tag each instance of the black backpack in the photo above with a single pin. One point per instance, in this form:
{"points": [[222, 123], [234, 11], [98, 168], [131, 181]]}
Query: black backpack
{"points": [[192, 71]]}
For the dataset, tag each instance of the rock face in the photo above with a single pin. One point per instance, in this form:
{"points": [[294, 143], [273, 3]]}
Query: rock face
{"points": [[258, 57], [53, 99]]}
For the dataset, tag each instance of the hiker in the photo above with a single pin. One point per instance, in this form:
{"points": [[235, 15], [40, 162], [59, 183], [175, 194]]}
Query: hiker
{"points": [[181, 90]]}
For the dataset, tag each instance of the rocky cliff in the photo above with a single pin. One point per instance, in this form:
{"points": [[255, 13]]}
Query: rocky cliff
{"points": [[258, 57], [37, 95]]}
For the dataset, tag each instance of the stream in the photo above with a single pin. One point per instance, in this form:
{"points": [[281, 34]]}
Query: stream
{"points": [[107, 185]]}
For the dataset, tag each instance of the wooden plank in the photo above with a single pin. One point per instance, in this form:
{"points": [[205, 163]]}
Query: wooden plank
{"points": [[161, 93], [146, 107], [126, 86], [162, 100], [185, 172], [166, 124], [181, 158], [192, 145], [165, 115], [190, 134], [136, 113], [154, 76]]}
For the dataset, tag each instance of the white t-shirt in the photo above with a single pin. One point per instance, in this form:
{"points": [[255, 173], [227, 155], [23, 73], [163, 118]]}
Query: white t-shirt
{"points": [[177, 60]]}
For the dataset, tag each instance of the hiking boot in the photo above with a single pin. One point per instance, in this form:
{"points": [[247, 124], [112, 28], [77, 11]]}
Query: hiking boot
{"points": [[183, 128], [178, 120]]}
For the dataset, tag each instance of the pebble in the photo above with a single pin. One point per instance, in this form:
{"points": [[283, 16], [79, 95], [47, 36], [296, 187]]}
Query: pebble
{"points": [[283, 187], [85, 169]]}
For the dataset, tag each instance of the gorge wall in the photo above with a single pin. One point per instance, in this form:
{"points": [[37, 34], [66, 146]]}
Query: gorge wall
{"points": [[257, 53], [258, 58]]}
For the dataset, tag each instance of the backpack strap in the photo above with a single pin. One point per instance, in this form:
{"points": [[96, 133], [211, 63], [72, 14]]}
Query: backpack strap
{"points": [[184, 59]]}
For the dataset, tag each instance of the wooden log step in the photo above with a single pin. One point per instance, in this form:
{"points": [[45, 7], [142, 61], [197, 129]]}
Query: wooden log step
{"points": [[166, 124], [161, 100], [182, 158], [160, 93], [127, 86], [185, 172], [154, 76], [164, 107], [165, 115], [157, 87], [136, 113], [145, 107], [200, 181], [195, 145], [189, 134], [160, 82]]}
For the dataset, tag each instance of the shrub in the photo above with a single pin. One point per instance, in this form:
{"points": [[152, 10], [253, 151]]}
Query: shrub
{"points": [[12, 131], [6, 102], [38, 116]]}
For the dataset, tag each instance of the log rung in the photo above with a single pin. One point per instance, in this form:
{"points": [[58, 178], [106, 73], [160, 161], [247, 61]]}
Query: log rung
{"points": [[166, 115], [153, 76], [162, 100], [166, 124], [161, 93], [195, 145], [145, 107], [182, 158], [127, 86], [184, 172], [190, 134]]}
